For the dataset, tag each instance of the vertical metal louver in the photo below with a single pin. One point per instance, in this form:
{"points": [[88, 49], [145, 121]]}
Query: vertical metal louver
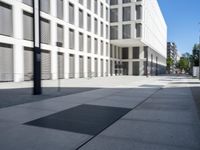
{"points": [[96, 67], [71, 66], [89, 66], [28, 64], [6, 63], [60, 65], [102, 73], [81, 67], [46, 65]]}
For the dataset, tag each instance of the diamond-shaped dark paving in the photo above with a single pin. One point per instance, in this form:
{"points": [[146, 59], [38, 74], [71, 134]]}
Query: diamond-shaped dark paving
{"points": [[85, 119]]}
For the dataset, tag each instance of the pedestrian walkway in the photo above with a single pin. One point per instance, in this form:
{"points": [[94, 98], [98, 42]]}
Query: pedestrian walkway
{"points": [[157, 113]]}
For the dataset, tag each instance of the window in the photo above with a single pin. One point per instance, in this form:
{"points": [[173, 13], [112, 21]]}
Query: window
{"points": [[119, 54], [60, 34], [138, 12], [102, 10], [88, 22], [136, 52], [115, 51], [71, 13], [28, 26], [126, 31], [60, 9], [107, 32], [106, 49], [113, 32], [114, 15], [107, 16], [95, 26], [113, 2], [6, 25], [80, 18], [89, 44], [126, 13], [95, 46], [28, 2], [81, 41], [89, 4], [71, 39], [102, 28], [45, 6], [45, 31], [111, 51], [126, 1], [95, 6], [81, 2], [138, 30], [125, 53], [102, 48]]}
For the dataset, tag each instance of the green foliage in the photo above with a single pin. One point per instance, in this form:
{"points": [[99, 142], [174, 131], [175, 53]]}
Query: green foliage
{"points": [[184, 64], [170, 62], [195, 54]]}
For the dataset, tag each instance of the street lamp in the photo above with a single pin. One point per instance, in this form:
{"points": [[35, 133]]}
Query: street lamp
{"points": [[37, 90], [199, 51]]}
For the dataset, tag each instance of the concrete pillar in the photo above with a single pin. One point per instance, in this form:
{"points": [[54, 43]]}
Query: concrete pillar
{"points": [[18, 51], [54, 51]]}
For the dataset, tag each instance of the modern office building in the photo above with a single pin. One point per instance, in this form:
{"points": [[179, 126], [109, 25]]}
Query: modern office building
{"points": [[98, 37], [173, 54]]}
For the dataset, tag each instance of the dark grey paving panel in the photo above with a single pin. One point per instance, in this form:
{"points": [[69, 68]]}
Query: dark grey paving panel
{"points": [[85, 119], [24, 95]]}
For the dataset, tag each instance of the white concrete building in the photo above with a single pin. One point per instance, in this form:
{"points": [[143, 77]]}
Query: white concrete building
{"points": [[83, 27], [139, 29]]}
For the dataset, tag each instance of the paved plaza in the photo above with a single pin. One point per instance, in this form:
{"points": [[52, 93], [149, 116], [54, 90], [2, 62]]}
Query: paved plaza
{"points": [[113, 113]]}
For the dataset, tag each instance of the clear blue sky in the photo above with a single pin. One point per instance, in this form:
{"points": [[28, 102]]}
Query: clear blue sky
{"points": [[182, 18]]}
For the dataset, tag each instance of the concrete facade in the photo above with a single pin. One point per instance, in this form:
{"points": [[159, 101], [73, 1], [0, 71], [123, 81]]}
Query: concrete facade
{"points": [[173, 54], [144, 29], [83, 27]]}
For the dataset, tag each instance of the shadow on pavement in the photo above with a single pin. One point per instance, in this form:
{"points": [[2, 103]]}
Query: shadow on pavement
{"points": [[10, 97]]}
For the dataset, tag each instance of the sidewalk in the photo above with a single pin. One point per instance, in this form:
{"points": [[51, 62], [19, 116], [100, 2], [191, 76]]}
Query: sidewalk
{"points": [[156, 115]]}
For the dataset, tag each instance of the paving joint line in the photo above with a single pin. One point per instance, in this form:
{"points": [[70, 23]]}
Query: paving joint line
{"points": [[139, 104]]}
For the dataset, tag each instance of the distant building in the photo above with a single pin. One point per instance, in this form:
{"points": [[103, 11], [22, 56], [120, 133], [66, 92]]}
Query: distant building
{"points": [[172, 53]]}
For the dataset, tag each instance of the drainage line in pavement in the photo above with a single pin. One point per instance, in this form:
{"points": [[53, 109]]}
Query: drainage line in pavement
{"points": [[139, 104]]}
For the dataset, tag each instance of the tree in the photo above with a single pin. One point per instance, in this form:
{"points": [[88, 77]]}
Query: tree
{"points": [[195, 54], [170, 62], [184, 64]]}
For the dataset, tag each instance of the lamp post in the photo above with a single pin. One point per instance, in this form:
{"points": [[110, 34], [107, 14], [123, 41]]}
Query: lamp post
{"points": [[37, 90], [199, 51]]}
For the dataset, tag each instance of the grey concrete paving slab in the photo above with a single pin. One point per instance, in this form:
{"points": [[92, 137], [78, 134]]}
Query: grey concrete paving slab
{"points": [[165, 121], [21, 115], [166, 107], [24, 137], [161, 133], [22, 95], [118, 101], [116, 143], [163, 116], [171, 100], [48, 105]]}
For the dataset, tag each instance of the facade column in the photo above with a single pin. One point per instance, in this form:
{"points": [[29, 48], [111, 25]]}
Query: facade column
{"points": [[18, 51], [54, 51]]}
